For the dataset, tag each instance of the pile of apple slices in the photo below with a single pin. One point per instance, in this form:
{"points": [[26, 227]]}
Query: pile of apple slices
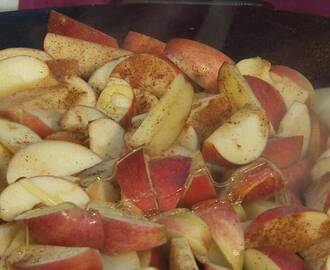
{"points": [[158, 156]]}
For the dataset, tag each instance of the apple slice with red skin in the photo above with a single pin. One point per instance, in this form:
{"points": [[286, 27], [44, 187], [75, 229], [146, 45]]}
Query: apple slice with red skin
{"points": [[272, 258], [134, 181], [181, 256], [283, 152], [140, 43], [269, 98], [168, 176], [290, 228], [63, 25], [225, 228], [64, 225], [198, 61], [238, 141], [319, 137], [37, 257], [296, 174]]}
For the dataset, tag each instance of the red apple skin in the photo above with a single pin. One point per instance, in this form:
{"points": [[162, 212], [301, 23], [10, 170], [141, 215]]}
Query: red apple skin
{"points": [[283, 152], [169, 176], [211, 155], [121, 236], [134, 181], [140, 43], [89, 260], [72, 227], [28, 120], [198, 61], [295, 175], [270, 99], [200, 188], [66, 26]]}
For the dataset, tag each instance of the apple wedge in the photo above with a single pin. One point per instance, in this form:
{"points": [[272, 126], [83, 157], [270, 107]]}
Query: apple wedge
{"points": [[184, 223], [319, 137], [128, 261], [21, 51], [320, 106], [189, 138], [140, 43], [117, 101], [144, 101], [48, 190], [37, 257], [317, 256], [23, 72], [272, 258], [134, 181], [296, 122], [5, 157], [147, 72], [103, 191], [89, 55], [63, 25], [317, 194], [62, 68], [68, 136], [15, 136], [181, 256], [295, 176], [238, 141], [57, 158], [283, 152], [166, 119], [290, 228], [8, 231], [210, 112], [106, 138], [64, 225], [256, 208], [256, 67], [225, 228], [198, 61], [168, 176], [321, 168]]}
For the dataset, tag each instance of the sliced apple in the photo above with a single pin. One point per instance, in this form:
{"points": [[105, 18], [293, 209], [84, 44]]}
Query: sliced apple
{"points": [[20, 51], [189, 138], [37, 257], [290, 228], [63, 25], [272, 258], [200, 62], [295, 176], [128, 261], [181, 256], [106, 138], [57, 158], [321, 168], [144, 101], [283, 152], [240, 140], [206, 116], [225, 228], [68, 136], [48, 190], [212, 266], [165, 121], [117, 100], [256, 208], [147, 72], [102, 191], [5, 157], [318, 139], [89, 55], [296, 122], [61, 68], [317, 256], [256, 67], [8, 232], [317, 194], [320, 106], [78, 117], [168, 177]]}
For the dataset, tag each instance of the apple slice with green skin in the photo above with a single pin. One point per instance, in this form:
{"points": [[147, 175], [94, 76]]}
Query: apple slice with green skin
{"points": [[128, 261], [78, 117], [296, 122], [181, 256], [166, 119], [271, 258], [317, 194], [200, 62], [106, 138], [48, 190], [56, 158], [147, 72], [183, 223], [37, 257], [15, 136], [134, 181], [64, 225], [240, 140], [290, 228], [283, 152], [225, 228], [117, 101], [124, 232], [63, 25], [317, 256], [295, 176], [89, 55], [168, 177], [20, 51], [319, 137], [140, 43]]}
